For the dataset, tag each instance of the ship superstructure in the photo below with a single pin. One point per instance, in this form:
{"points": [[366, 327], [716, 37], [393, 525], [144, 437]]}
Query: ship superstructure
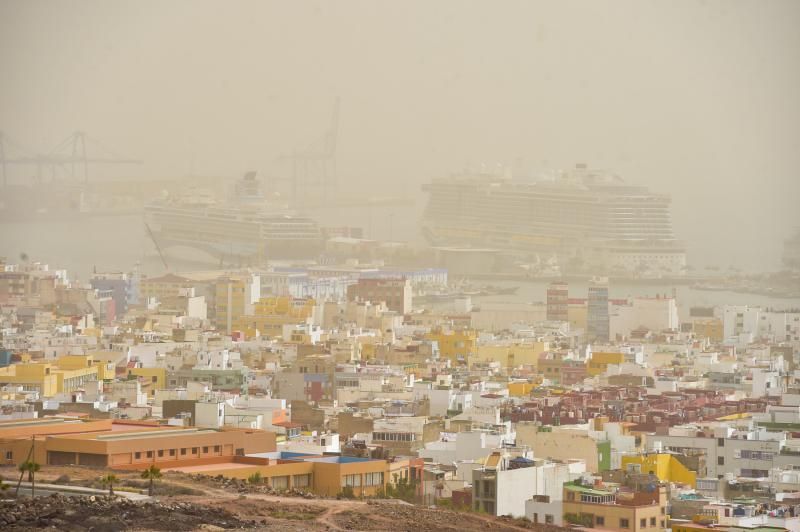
{"points": [[245, 226], [592, 216]]}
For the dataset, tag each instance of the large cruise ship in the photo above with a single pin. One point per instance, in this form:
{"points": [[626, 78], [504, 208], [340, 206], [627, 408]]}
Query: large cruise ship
{"points": [[581, 216], [245, 226]]}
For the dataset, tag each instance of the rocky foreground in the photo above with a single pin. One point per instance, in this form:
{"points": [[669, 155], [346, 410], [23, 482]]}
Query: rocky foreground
{"points": [[198, 502], [105, 513]]}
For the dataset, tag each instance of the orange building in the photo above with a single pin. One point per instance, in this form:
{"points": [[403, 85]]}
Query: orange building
{"points": [[116, 444], [601, 508], [323, 475]]}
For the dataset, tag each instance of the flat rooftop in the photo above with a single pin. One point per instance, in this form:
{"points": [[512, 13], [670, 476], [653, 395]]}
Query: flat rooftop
{"points": [[225, 466]]}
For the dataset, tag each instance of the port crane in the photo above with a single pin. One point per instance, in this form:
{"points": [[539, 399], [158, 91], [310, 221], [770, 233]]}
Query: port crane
{"points": [[315, 164], [68, 155]]}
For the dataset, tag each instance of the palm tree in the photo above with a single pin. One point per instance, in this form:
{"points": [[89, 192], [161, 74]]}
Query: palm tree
{"points": [[152, 474], [109, 480], [30, 467]]}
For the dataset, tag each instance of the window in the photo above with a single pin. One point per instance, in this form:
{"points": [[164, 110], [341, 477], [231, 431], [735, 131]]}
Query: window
{"points": [[9, 455], [217, 448], [280, 483], [720, 442], [373, 479], [624, 523], [663, 510], [161, 453], [652, 521], [756, 455], [172, 452], [138, 456], [643, 523], [600, 520], [149, 454], [352, 481], [301, 481], [662, 523], [205, 450], [183, 452], [548, 519], [720, 460], [754, 473], [195, 449]]}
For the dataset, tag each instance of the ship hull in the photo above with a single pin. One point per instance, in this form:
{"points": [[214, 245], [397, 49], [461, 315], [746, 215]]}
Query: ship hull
{"points": [[228, 233], [586, 221]]}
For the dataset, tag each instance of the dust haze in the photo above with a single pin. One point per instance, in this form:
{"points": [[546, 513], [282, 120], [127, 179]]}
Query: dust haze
{"points": [[695, 99]]}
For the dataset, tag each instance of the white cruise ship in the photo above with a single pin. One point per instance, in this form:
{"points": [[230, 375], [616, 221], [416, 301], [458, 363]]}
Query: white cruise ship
{"points": [[582, 215], [243, 227]]}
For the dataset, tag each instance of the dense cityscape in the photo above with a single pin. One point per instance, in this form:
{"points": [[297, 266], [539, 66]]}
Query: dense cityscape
{"points": [[323, 326]]}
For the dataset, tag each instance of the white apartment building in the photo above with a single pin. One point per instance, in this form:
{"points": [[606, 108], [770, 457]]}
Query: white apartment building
{"points": [[505, 484], [749, 454], [652, 313]]}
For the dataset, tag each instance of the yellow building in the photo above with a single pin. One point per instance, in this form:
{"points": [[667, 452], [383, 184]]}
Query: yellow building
{"points": [[66, 374], [577, 313], [512, 355], [166, 288], [665, 466], [520, 388], [105, 370], [709, 328], [458, 346], [599, 362], [270, 314], [231, 297], [156, 378], [368, 350]]}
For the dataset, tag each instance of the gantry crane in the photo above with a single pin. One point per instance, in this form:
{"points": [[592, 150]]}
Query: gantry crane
{"points": [[316, 164], [66, 155]]}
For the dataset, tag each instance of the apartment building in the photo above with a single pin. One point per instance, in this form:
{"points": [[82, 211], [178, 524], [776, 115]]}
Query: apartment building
{"points": [[511, 477], [403, 436], [166, 288], [458, 346], [664, 466], [67, 374], [558, 301], [396, 293], [270, 315], [565, 443], [623, 509], [726, 451], [599, 362], [310, 378], [235, 296]]}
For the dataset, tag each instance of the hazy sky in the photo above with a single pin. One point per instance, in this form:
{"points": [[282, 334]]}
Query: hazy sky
{"points": [[696, 98]]}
